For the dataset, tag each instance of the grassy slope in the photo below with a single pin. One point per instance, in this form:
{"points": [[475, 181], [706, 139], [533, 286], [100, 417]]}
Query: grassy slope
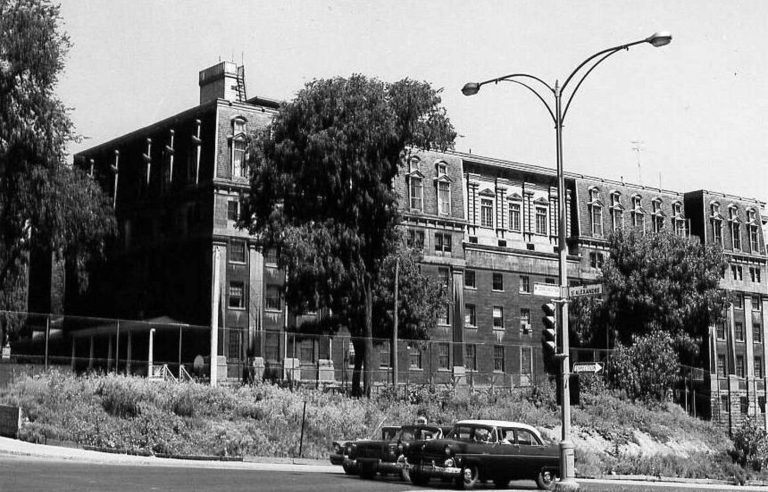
{"points": [[264, 420]]}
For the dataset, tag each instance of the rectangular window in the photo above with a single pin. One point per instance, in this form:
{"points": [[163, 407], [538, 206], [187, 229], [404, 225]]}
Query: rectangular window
{"points": [[618, 219], [744, 404], [738, 328], [442, 242], [486, 212], [757, 333], [498, 358], [444, 274], [415, 239], [443, 356], [721, 365], [498, 318], [526, 360], [740, 366], [725, 404], [597, 221], [416, 193], [738, 301], [414, 358], [596, 260], [470, 315], [754, 275], [236, 295], [498, 281], [384, 356], [444, 198], [469, 279], [736, 272], [271, 257], [237, 252], [721, 330], [541, 221], [307, 350], [717, 231], [736, 235], [525, 284], [514, 217], [443, 316], [272, 346], [761, 404], [233, 209], [470, 356], [754, 245], [238, 159], [234, 345], [756, 303], [525, 320], [273, 298], [758, 367]]}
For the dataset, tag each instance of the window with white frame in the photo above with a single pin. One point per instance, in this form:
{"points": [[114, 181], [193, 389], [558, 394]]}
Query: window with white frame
{"points": [[486, 212], [442, 168], [273, 299], [736, 235], [525, 320], [541, 221], [238, 158], [597, 221], [416, 192], [443, 315], [444, 197], [470, 315], [657, 216], [498, 318], [236, 295], [717, 231], [515, 213]]}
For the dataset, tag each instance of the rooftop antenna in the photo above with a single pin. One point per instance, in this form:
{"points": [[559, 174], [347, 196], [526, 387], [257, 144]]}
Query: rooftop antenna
{"points": [[637, 146]]}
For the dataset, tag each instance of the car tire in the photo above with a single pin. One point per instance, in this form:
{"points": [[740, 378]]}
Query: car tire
{"points": [[469, 477], [501, 483], [367, 472], [348, 469], [546, 480], [419, 479]]}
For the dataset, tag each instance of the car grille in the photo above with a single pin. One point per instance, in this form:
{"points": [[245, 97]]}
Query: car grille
{"points": [[368, 452]]}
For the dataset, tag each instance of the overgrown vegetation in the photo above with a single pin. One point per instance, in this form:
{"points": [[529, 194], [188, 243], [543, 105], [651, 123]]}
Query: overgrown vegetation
{"points": [[612, 435]]}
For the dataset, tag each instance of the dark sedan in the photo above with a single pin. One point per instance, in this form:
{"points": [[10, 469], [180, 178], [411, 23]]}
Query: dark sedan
{"points": [[485, 450], [387, 456]]}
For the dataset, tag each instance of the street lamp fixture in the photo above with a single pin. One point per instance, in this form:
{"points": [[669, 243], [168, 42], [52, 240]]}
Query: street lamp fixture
{"points": [[558, 113]]}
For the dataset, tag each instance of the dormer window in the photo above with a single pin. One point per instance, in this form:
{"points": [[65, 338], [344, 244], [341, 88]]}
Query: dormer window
{"points": [[444, 197], [486, 212], [753, 227], [677, 209], [416, 192], [617, 211], [715, 209], [413, 164], [636, 202], [638, 214], [658, 217], [594, 194], [595, 212], [616, 199], [679, 221], [442, 168], [656, 205], [733, 217], [239, 143]]}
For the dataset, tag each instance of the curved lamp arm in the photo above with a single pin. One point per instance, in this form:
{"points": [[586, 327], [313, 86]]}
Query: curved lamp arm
{"points": [[536, 93], [581, 80], [472, 88]]}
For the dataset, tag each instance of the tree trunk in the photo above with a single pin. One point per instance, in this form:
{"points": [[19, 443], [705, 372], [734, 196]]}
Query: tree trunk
{"points": [[368, 338], [359, 345]]}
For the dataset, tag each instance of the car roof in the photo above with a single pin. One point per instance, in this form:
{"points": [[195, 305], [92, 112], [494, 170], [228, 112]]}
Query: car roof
{"points": [[500, 423]]}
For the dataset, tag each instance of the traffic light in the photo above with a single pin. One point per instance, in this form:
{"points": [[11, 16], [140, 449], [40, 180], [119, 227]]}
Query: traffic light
{"points": [[549, 337]]}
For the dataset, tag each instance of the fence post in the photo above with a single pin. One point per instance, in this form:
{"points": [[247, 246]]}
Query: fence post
{"points": [[301, 439], [47, 335]]}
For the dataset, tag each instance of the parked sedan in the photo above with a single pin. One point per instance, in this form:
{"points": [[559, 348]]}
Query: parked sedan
{"points": [[486, 450], [342, 449], [387, 455]]}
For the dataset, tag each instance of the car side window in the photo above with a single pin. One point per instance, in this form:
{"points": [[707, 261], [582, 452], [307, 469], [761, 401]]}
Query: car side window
{"points": [[525, 438], [508, 436]]}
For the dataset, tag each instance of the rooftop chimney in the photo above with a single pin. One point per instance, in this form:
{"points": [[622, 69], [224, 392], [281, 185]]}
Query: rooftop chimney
{"points": [[221, 81]]}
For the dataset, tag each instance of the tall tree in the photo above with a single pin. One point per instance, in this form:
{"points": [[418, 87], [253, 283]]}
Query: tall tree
{"points": [[322, 194], [657, 281], [43, 203]]}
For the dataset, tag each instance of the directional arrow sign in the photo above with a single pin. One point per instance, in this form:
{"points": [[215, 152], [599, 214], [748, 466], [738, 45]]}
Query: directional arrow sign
{"points": [[593, 367]]}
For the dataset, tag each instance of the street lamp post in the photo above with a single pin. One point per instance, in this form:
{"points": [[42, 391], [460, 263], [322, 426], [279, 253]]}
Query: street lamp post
{"points": [[558, 113]]}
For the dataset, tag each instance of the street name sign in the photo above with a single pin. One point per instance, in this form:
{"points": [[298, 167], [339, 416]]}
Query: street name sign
{"points": [[546, 290], [593, 367], [585, 290]]}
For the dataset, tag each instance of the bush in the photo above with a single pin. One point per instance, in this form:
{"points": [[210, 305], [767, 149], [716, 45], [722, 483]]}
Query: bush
{"points": [[646, 369], [750, 443]]}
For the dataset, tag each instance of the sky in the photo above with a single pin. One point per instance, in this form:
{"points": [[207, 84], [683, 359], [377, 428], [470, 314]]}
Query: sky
{"points": [[684, 117]]}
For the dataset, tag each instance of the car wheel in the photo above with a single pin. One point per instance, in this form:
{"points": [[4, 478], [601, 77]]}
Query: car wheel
{"points": [[419, 479], [501, 483], [367, 472], [546, 480], [348, 469], [468, 478]]}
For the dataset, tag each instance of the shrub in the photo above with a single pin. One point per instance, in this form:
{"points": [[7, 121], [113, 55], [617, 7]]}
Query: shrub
{"points": [[646, 369], [750, 443], [118, 398], [183, 405]]}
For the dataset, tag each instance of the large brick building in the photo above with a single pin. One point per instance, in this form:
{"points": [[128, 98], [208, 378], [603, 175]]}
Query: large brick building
{"points": [[488, 228]]}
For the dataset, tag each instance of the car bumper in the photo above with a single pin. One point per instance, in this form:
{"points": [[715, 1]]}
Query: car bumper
{"points": [[382, 466], [432, 470]]}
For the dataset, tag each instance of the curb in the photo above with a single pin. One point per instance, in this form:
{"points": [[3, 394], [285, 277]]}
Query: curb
{"points": [[654, 478]]}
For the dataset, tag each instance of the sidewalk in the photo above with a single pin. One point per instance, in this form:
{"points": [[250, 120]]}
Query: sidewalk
{"points": [[14, 447]]}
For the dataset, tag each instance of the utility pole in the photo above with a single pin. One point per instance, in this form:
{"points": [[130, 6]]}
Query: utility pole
{"points": [[393, 352]]}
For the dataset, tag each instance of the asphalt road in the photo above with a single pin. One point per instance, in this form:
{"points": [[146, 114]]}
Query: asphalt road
{"points": [[42, 474]]}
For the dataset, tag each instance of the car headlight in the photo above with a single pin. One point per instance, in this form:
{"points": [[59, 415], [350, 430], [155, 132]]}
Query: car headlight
{"points": [[449, 463], [448, 451], [336, 448]]}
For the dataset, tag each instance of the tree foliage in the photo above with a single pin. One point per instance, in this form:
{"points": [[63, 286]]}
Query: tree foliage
{"points": [[647, 368], [321, 189], [44, 204], [657, 281]]}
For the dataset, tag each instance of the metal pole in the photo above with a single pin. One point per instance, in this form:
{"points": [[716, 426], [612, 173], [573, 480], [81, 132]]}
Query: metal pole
{"points": [[151, 354], [215, 317], [393, 352], [301, 439], [47, 335], [567, 465]]}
